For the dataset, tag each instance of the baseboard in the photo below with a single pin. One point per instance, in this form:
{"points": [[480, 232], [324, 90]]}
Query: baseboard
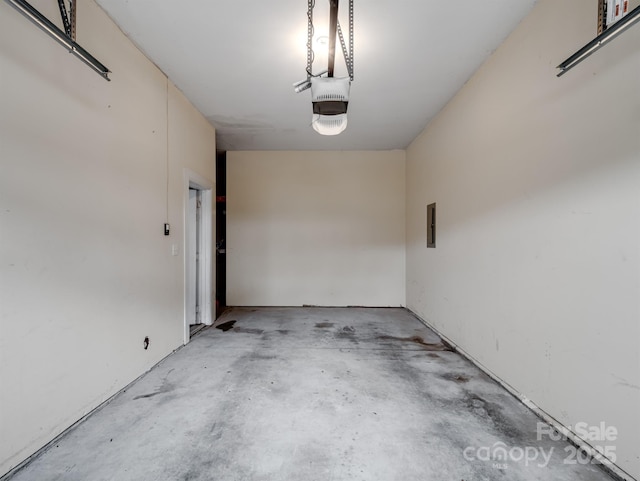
{"points": [[605, 464]]}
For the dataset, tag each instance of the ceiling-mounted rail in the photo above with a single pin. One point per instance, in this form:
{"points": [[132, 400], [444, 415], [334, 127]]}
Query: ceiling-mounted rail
{"points": [[59, 36], [333, 29], [598, 42]]}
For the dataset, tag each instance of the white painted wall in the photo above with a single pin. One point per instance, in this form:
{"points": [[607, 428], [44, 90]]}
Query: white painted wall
{"points": [[536, 273], [85, 271], [317, 228]]}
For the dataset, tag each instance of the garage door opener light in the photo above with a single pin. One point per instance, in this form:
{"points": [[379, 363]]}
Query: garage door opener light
{"points": [[329, 94]]}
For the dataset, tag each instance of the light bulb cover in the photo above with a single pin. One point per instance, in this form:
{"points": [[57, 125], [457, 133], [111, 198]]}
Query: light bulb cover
{"points": [[330, 98], [329, 124]]}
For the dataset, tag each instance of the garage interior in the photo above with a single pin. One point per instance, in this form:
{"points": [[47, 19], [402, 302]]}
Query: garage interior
{"points": [[197, 285]]}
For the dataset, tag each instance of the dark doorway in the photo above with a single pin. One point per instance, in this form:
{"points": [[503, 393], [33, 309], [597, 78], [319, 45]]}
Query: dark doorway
{"points": [[221, 232]]}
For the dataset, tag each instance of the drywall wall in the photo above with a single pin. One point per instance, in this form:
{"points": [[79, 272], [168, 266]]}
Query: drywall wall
{"points": [[85, 271], [536, 273], [316, 228]]}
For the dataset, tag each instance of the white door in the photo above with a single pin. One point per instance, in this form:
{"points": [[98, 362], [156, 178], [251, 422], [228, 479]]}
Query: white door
{"points": [[198, 249], [192, 258]]}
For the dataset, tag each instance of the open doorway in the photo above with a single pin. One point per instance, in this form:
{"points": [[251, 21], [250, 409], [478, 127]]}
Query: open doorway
{"points": [[221, 232], [198, 257]]}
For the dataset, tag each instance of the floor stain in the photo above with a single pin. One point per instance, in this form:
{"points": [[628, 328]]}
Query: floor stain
{"points": [[494, 413], [431, 346], [262, 357], [347, 332], [166, 387], [284, 332], [459, 378], [247, 330], [225, 326], [324, 325], [145, 396]]}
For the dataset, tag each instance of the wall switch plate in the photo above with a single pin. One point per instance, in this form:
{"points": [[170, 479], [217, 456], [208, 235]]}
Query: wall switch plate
{"points": [[167, 229], [174, 249]]}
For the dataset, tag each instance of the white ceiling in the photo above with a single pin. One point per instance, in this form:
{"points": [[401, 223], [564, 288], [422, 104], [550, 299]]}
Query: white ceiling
{"points": [[237, 60]]}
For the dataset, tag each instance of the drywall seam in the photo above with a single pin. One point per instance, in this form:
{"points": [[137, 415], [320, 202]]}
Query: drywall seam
{"points": [[606, 464]]}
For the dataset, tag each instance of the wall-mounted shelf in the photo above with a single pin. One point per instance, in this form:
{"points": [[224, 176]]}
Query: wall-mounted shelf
{"points": [[598, 42]]}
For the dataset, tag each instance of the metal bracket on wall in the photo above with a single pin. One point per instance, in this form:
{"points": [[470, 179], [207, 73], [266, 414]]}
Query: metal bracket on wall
{"points": [[597, 43], [602, 16], [66, 38]]}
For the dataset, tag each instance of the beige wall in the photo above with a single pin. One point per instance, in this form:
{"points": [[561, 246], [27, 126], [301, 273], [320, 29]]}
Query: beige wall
{"points": [[317, 228], [536, 273], [85, 272]]}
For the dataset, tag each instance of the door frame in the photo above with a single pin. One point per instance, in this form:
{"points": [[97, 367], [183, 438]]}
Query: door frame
{"points": [[206, 292]]}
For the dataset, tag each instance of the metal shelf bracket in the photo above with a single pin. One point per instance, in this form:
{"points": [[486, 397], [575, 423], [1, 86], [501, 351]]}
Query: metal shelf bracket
{"points": [[601, 40], [66, 38]]}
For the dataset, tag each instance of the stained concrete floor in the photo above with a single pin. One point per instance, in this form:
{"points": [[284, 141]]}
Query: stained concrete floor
{"points": [[310, 394]]}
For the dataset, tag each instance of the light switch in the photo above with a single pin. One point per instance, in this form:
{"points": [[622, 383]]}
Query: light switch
{"points": [[174, 249]]}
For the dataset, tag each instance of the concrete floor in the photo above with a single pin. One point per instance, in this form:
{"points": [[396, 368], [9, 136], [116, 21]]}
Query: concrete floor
{"points": [[310, 394]]}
